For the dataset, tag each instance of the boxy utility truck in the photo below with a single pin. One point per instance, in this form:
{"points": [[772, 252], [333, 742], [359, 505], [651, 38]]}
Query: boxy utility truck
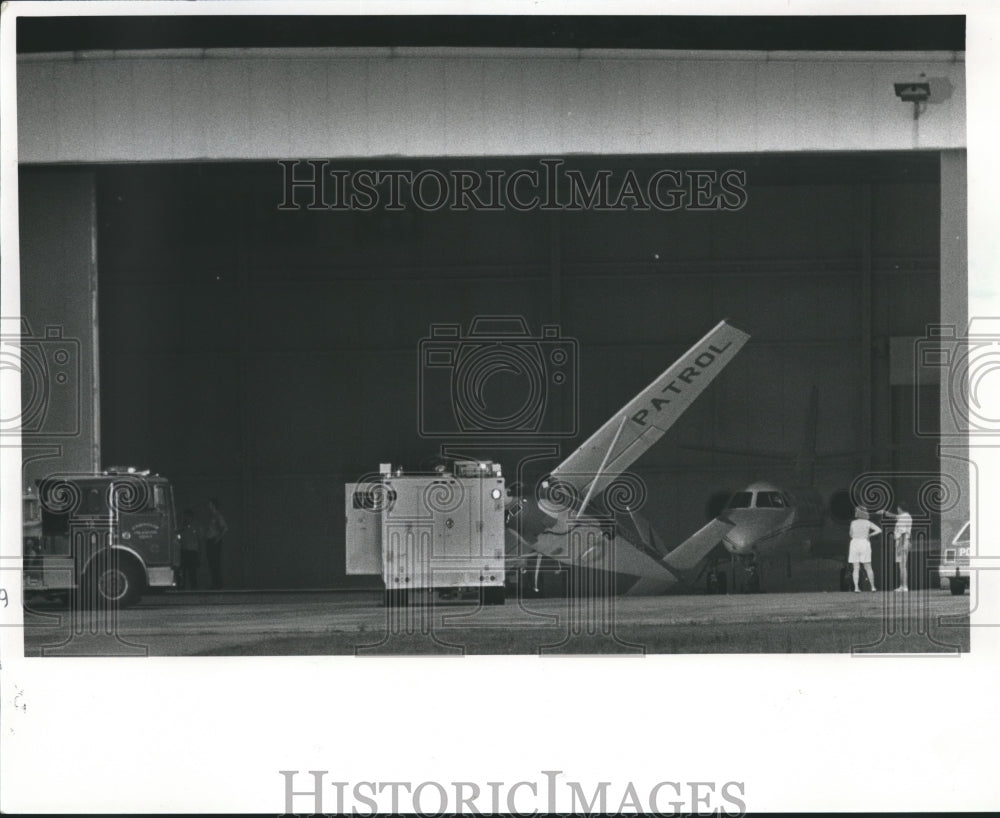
{"points": [[429, 533]]}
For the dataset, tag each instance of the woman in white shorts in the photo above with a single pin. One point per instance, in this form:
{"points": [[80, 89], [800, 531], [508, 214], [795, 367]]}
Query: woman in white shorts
{"points": [[861, 548]]}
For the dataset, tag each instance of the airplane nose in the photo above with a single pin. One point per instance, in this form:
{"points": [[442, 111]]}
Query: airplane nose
{"points": [[736, 541], [756, 530]]}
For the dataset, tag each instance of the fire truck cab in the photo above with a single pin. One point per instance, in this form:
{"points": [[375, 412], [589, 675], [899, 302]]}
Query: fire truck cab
{"points": [[108, 537]]}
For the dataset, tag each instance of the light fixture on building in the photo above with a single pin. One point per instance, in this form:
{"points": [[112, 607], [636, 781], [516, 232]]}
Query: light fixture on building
{"points": [[916, 92]]}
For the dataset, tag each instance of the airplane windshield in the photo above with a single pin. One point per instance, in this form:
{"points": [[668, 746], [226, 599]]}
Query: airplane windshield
{"points": [[740, 500], [770, 499]]}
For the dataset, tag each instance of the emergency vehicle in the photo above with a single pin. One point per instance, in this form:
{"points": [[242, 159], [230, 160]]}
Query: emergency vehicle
{"points": [[108, 538], [429, 533], [954, 567]]}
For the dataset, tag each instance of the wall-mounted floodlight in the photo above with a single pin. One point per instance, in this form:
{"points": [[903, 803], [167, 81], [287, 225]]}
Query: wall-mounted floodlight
{"points": [[913, 91], [916, 92]]}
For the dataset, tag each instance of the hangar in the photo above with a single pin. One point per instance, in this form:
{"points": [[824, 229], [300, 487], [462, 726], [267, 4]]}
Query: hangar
{"points": [[224, 331]]}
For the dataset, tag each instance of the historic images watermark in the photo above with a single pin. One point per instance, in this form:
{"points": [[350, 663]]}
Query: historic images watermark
{"points": [[909, 622], [431, 547], [965, 364], [48, 367], [500, 393], [315, 184], [96, 541], [551, 794], [497, 380]]}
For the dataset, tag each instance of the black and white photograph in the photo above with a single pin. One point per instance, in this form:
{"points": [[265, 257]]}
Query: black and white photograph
{"points": [[591, 373]]}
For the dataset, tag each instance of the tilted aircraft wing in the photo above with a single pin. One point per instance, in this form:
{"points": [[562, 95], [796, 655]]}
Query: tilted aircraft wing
{"points": [[685, 559], [588, 544], [644, 419]]}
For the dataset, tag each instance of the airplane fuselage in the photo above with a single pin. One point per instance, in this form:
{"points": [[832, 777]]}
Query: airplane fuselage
{"points": [[768, 518]]}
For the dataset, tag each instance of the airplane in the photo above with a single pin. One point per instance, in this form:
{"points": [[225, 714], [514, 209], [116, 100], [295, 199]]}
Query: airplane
{"points": [[784, 521], [768, 519], [574, 518]]}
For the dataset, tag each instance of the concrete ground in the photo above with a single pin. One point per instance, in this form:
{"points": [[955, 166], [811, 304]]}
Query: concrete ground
{"points": [[348, 623]]}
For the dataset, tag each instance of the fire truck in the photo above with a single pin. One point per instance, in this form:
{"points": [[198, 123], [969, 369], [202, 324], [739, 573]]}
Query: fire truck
{"points": [[106, 538]]}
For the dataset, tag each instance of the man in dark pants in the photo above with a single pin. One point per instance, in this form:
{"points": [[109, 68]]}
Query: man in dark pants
{"points": [[214, 532], [190, 538], [901, 537]]}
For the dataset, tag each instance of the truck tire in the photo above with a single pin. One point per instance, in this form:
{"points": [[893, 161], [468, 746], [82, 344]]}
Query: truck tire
{"points": [[494, 596], [715, 582], [395, 597], [957, 586], [114, 582]]}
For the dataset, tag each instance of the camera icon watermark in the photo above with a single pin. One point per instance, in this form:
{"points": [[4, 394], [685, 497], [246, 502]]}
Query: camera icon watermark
{"points": [[967, 368], [915, 512], [498, 380], [48, 366]]}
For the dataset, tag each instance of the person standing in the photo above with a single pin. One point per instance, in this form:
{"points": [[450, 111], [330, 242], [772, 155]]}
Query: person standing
{"points": [[190, 538], [860, 552], [214, 532], [901, 537]]}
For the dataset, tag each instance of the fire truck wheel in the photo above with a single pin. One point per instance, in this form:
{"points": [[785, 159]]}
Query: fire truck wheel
{"points": [[716, 582], [114, 582], [494, 595]]}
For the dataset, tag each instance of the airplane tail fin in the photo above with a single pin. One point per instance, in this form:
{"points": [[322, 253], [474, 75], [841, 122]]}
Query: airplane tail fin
{"points": [[805, 458]]}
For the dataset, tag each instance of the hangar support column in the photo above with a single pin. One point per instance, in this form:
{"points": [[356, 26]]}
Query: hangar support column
{"points": [[954, 312], [59, 370]]}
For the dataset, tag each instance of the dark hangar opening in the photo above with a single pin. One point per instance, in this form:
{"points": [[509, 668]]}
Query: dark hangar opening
{"points": [[267, 357]]}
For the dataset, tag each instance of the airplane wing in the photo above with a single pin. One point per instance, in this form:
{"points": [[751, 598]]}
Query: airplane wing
{"points": [[688, 555], [587, 545], [685, 558], [516, 550], [643, 420], [646, 534]]}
